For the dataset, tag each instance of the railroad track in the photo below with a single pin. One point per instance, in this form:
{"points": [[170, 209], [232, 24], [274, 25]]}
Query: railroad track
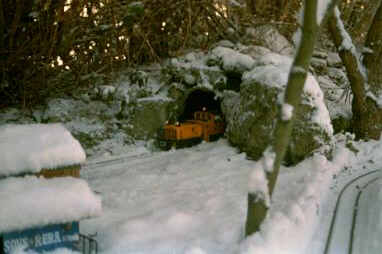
{"points": [[342, 230], [113, 161]]}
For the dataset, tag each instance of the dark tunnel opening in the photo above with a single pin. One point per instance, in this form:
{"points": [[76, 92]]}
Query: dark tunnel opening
{"points": [[198, 99]]}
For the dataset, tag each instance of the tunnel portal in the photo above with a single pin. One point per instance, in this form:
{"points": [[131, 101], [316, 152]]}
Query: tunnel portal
{"points": [[198, 99]]}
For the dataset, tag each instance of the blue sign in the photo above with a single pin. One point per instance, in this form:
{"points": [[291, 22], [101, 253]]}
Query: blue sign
{"points": [[43, 239]]}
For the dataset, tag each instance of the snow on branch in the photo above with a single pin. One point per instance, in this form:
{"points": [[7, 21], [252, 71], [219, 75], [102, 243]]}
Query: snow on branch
{"points": [[347, 43], [258, 183], [286, 112]]}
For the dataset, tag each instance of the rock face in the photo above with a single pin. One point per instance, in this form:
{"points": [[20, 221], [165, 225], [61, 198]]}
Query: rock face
{"points": [[269, 37], [147, 116], [251, 114]]}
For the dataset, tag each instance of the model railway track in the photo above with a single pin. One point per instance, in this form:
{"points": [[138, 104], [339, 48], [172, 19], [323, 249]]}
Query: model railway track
{"points": [[342, 229], [114, 161]]}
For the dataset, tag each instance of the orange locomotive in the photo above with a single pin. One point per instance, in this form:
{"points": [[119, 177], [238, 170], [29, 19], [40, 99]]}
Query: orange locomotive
{"points": [[205, 126]]}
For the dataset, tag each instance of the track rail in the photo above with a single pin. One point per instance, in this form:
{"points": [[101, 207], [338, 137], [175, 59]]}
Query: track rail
{"points": [[114, 161], [345, 236]]}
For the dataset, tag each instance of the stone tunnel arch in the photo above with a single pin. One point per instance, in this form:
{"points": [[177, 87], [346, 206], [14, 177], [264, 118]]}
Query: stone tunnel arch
{"points": [[199, 98]]}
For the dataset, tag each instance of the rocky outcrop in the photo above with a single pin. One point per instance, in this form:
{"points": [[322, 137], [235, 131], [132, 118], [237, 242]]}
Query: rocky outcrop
{"points": [[251, 114], [143, 119], [269, 37]]}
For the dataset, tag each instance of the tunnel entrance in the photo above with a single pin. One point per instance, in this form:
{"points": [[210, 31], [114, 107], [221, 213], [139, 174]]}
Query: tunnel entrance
{"points": [[198, 99]]}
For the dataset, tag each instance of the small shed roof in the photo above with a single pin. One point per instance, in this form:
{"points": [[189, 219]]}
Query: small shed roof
{"points": [[28, 202], [30, 148]]}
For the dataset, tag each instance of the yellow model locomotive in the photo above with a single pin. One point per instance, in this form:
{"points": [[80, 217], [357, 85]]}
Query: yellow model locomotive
{"points": [[204, 126]]}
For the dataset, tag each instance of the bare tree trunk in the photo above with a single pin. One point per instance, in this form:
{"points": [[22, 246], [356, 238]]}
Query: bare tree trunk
{"points": [[257, 208], [373, 61], [367, 116]]}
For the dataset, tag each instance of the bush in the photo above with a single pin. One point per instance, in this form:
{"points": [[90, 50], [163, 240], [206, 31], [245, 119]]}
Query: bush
{"points": [[52, 47]]}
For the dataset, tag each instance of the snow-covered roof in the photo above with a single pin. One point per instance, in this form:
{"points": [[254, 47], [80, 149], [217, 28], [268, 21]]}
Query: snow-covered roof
{"points": [[31, 201], [30, 148]]}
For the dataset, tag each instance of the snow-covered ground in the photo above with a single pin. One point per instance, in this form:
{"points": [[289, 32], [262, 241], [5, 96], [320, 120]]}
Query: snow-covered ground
{"points": [[193, 201]]}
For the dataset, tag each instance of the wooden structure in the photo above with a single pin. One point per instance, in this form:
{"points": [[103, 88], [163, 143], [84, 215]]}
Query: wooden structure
{"points": [[55, 145]]}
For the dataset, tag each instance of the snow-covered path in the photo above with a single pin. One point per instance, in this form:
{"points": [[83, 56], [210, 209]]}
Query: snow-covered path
{"points": [[193, 201], [171, 202]]}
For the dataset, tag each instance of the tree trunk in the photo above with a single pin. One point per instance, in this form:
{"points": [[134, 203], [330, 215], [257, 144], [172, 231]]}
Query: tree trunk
{"points": [[373, 61], [257, 208], [367, 116]]}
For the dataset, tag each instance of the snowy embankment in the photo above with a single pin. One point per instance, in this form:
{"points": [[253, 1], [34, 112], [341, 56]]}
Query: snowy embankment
{"points": [[194, 201]]}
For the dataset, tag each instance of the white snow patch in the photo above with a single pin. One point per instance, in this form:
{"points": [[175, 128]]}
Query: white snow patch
{"points": [[268, 74], [258, 183], [298, 69], [321, 114], [31, 202], [232, 59], [30, 148], [377, 99], [322, 7], [295, 210], [347, 43], [286, 112]]}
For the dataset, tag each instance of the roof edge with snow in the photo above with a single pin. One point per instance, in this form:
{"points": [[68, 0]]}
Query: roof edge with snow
{"points": [[30, 148]]}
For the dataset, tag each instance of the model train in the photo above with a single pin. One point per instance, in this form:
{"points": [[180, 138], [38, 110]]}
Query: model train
{"points": [[204, 126]]}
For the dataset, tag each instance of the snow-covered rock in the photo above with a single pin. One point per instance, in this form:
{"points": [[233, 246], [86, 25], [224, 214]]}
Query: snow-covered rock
{"points": [[255, 51], [251, 118], [334, 60], [231, 60], [269, 37]]}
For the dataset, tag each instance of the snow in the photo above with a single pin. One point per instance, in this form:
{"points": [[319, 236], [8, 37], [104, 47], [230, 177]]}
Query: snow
{"points": [[347, 43], [30, 148], [287, 112], [163, 201], [321, 114], [322, 6], [377, 99], [194, 200], [232, 59], [258, 183], [31, 201]]}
